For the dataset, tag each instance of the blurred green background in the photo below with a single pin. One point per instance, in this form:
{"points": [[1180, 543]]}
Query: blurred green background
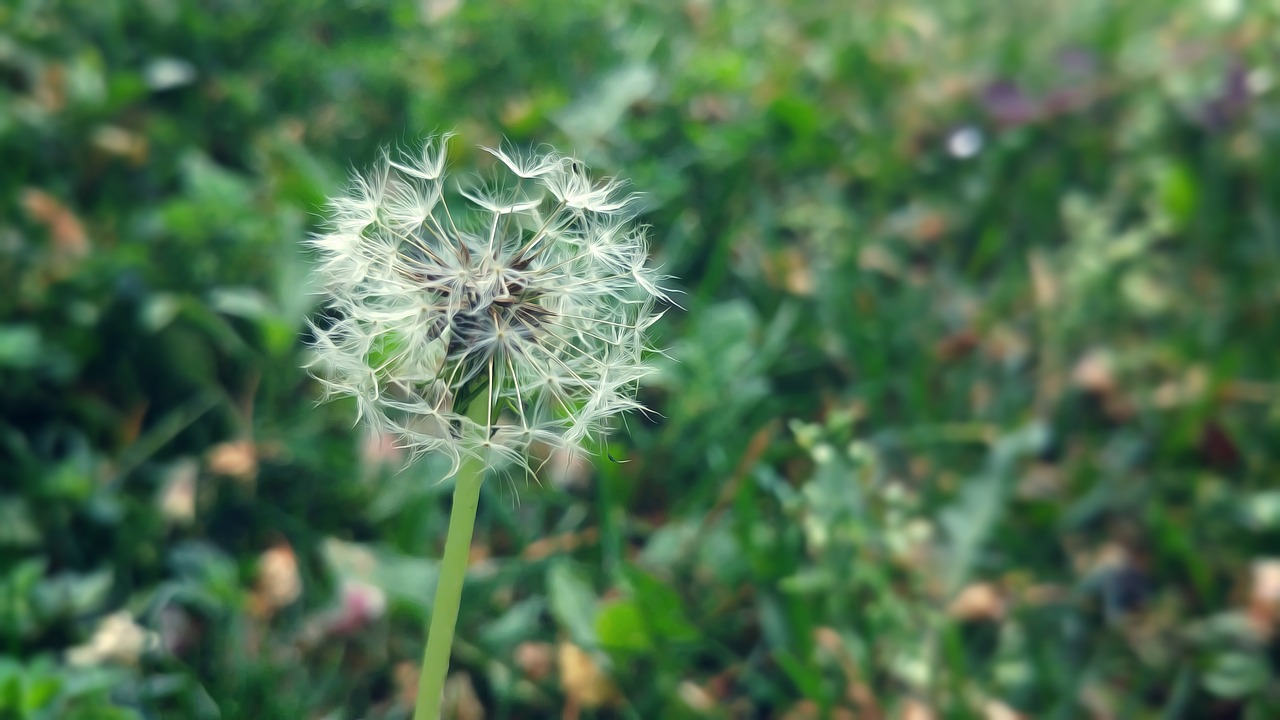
{"points": [[974, 409]]}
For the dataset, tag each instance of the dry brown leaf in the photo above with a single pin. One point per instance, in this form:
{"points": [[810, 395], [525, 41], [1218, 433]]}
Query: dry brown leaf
{"points": [[1189, 389], [696, 697], [1095, 372], [460, 699], [914, 709], [1264, 595], [979, 601], [435, 11], [930, 226], [1041, 481], [876, 257], [177, 498], [117, 639], [582, 679], [1044, 281], [536, 659], [1005, 344], [1043, 594], [237, 459], [115, 140], [1097, 699], [856, 689], [1250, 391], [956, 345], [996, 710], [406, 676], [278, 584], [810, 710], [70, 241], [51, 87], [568, 542], [797, 272], [1110, 556]]}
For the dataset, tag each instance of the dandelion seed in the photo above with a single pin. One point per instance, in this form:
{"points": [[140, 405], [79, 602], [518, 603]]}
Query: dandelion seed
{"points": [[477, 324]]}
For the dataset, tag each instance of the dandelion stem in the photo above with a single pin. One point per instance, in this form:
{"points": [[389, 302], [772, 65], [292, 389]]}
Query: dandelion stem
{"points": [[453, 571], [440, 333]]}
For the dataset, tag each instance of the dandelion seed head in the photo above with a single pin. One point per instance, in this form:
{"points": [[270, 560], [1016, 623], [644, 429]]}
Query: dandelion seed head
{"points": [[481, 318]]}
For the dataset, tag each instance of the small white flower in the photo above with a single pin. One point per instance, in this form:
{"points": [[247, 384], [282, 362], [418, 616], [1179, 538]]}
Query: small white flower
{"points": [[478, 324]]}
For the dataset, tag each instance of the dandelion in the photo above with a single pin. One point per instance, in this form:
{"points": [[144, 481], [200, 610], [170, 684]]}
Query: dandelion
{"points": [[515, 316], [481, 319]]}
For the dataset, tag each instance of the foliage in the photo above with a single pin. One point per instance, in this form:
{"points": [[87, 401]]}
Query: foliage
{"points": [[971, 407]]}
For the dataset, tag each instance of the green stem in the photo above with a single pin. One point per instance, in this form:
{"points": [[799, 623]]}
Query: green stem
{"points": [[453, 571]]}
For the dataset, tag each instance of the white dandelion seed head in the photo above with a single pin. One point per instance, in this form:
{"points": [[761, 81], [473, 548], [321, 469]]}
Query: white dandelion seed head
{"points": [[477, 319]]}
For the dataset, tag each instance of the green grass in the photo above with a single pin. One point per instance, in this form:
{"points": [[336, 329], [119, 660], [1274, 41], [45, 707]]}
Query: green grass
{"points": [[946, 428]]}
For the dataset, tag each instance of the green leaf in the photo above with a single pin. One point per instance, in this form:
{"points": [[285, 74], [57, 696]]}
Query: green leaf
{"points": [[208, 570], [597, 113], [40, 692], [1179, 193], [74, 593], [1261, 510], [93, 680], [246, 302], [660, 605], [17, 528], [972, 519], [19, 346], [1237, 675], [800, 115], [11, 697], [573, 603], [517, 624], [213, 184], [621, 626]]}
